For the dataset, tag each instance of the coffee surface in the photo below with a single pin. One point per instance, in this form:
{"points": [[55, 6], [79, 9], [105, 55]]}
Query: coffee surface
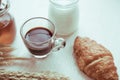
{"points": [[39, 35]]}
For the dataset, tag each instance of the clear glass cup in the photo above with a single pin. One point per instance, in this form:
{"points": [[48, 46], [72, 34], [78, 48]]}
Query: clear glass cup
{"points": [[38, 34]]}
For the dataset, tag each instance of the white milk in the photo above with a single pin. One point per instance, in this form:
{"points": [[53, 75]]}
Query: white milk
{"points": [[65, 15]]}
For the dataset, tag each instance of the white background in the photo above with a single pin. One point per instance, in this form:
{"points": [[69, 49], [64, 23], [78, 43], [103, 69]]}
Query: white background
{"points": [[99, 20]]}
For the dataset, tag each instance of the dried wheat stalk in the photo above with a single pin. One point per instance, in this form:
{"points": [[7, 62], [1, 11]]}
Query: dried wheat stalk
{"points": [[5, 59], [5, 49], [5, 56], [7, 75]]}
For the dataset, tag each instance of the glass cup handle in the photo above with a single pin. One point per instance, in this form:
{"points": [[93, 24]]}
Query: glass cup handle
{"points": [[58, 44]]}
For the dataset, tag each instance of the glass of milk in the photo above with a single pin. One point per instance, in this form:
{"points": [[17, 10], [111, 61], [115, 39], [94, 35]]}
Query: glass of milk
{"points": [[65, 15]]}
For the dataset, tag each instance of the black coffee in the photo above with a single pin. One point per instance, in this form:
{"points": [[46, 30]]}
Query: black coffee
{"points": [[39, 35]]}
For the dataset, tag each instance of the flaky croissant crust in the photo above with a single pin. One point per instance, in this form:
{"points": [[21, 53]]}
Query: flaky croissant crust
{"points": [[94, 59]]}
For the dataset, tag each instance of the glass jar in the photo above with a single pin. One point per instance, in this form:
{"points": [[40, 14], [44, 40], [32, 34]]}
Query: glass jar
{"points": [[65, 15], [7, 24]]}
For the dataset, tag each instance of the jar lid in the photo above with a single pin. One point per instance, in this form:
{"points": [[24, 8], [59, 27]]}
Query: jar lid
{"points": [[4, 6], [64, 3]]}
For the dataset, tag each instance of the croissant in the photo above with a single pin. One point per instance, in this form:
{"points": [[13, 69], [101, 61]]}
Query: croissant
{"points": [[94, 59]]}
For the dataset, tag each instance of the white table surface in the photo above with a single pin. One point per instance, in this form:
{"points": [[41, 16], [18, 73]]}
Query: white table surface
{"points": [[99, 20]]}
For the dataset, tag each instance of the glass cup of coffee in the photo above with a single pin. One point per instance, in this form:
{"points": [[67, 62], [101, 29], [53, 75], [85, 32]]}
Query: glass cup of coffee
{"points": [[38, 34]]}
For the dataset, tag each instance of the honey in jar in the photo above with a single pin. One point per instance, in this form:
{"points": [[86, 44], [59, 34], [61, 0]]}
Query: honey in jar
{"points": [[7, 24]]}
